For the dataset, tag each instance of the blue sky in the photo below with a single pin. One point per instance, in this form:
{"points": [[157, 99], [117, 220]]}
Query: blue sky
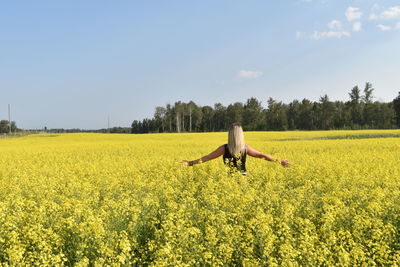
{"points": [[66, 64]]}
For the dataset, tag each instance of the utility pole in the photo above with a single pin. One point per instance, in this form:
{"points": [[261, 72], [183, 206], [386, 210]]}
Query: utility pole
{"points": [[9, 118]]}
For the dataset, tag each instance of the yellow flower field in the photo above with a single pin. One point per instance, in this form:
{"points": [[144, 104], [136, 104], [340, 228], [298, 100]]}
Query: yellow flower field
{"points": [[102, 199]]}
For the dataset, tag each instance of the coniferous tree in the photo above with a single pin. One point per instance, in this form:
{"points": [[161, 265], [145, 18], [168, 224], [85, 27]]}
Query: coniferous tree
{"points": [[326, 113], [234, 113], [396, 107], [276, 116], [293, 114], [159, 119], [219, 117], [367, 101], [207, 119], [306, 116], [252, 115], [355, 107]]}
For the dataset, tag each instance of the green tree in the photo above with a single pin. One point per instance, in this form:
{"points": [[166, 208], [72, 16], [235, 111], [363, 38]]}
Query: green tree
{"points": [[207, 112], [179, 110], [383, 115], [326, 110], [235, 113], [253, 116], [160, 118], [5, 126], [367, 97], [195, 116], [219, 117], [136, 126], [276, 116], [342, 118], [306, 116], [355, 107], [396, 107], [293, 115], [169, 116], [367, 109]]}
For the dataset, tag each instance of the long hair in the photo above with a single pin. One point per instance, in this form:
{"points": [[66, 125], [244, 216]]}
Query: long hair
{"points": [[236, 144]]}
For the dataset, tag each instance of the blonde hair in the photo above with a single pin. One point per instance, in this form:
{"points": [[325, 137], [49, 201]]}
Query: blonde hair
{"points": [[236, 144]]}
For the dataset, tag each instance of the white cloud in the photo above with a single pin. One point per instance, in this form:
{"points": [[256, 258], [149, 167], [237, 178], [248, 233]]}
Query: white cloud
{"points": [[376, 7], [249, 74], [353, 13], [357, 26], [335, 25], [391, 13], [373, 16], [398, 26], [330, 34], [317, 35], [383, 27], [299, 35]]}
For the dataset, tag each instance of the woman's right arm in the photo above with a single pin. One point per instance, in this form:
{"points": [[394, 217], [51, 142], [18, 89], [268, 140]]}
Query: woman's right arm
{"points": [[257, 154], [215, 154]]}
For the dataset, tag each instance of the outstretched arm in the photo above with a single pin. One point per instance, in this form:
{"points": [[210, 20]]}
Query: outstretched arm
{"points": [[215, 154], [257, 154]]}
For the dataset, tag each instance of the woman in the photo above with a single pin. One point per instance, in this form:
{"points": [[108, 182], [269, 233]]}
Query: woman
{"points": [[235, 152]]}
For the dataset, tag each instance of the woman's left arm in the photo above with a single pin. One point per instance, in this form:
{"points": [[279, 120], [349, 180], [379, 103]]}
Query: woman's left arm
{"points": [[257, 154], [215, 154]]}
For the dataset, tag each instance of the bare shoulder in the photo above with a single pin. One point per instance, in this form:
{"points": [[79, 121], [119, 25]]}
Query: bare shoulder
{"points": [[249, 148], [218, 152], [251, 151], [221, 149]]}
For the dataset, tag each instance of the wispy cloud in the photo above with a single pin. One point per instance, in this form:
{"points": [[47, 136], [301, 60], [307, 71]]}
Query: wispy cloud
{"points": [[390, 13], [384, 27], [357, 26], [373, 16], [329, 34], [340, 29], [300, 35], [335, 25], [376, 7], [319, 35], [353, 13], [249, 74]]}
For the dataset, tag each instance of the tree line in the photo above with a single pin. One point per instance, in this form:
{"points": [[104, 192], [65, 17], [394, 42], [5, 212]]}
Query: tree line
{"points": [[5, 127], [359, 112], [125, 130]]}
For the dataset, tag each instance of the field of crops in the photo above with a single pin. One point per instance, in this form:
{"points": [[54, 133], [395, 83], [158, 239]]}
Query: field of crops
{"points": [[100, 199]]}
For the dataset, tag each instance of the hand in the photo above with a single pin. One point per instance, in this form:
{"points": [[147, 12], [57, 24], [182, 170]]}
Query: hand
{"points": [[284, 162], [186, 163]]}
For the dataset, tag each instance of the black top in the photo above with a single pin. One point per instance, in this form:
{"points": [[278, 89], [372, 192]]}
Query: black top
{"points": [[237, 162]]}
